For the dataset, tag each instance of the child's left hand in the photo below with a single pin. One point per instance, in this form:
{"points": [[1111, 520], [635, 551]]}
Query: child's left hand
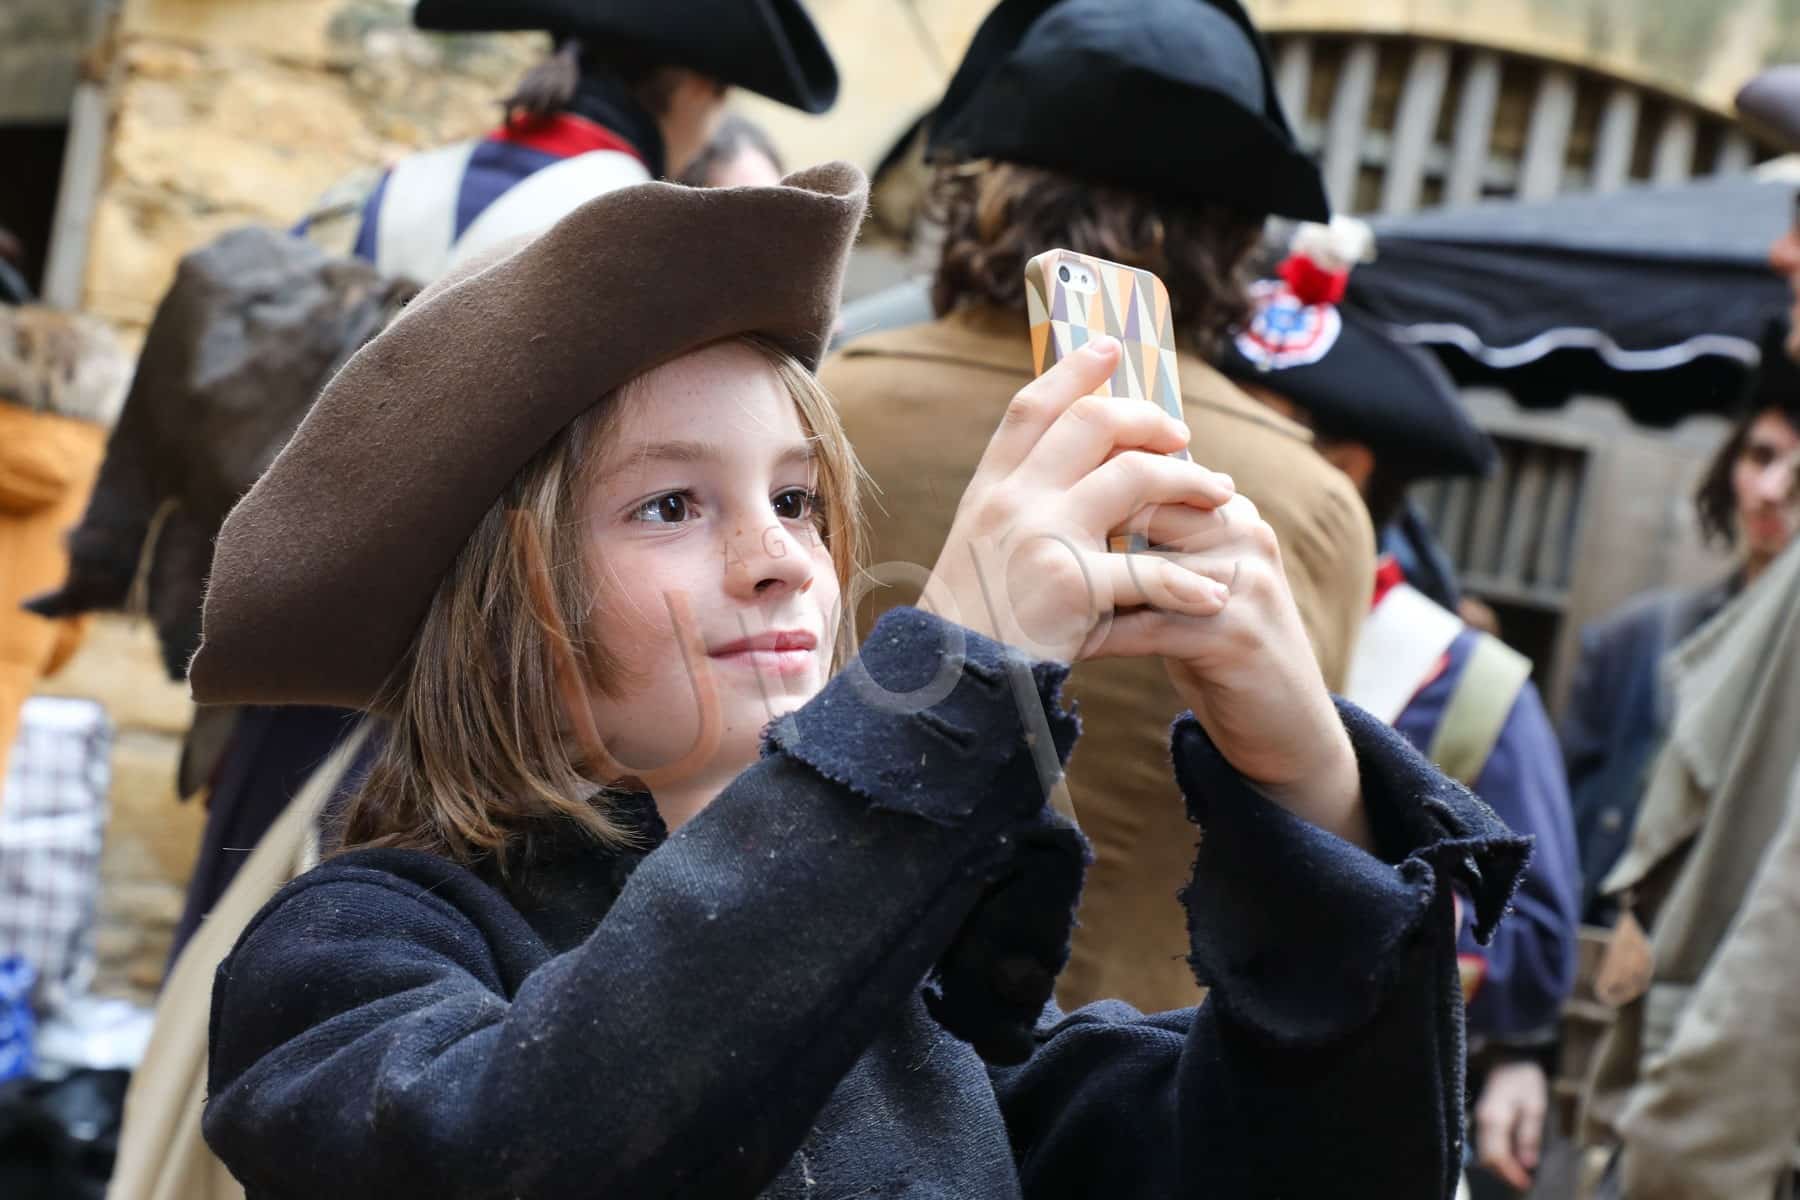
{"points": [[1248, 672]]}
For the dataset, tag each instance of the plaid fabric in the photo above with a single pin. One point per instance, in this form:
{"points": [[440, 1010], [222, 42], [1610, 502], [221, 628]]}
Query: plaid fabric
{"points": [[52, 825]]}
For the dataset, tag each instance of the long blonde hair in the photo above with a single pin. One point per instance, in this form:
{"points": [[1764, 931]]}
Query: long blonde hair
{"points": [[477, 761]]}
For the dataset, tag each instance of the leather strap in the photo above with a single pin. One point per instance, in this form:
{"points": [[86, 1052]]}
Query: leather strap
{"points": [[1490, 683]]}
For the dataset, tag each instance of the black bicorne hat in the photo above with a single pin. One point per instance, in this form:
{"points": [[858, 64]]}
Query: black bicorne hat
{"points": [[1358, 383], [770, 47], [1172, 97]]}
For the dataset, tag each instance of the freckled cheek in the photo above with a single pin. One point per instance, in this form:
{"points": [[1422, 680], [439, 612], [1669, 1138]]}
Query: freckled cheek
{"points": [[633, 620]]}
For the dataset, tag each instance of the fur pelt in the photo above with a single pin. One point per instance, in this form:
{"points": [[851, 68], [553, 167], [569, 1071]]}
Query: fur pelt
{"points": [[62, 363], [254, 324]]}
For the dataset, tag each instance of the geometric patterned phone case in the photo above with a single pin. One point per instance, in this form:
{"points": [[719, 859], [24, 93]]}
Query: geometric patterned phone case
{"points": [[1071, 298]]}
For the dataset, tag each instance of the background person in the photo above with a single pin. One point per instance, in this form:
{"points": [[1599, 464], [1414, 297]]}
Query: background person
{"points": [[1702, 873], [1619, 708], [632, 92], [1388, 416], [739, 154], [1050, 149]]}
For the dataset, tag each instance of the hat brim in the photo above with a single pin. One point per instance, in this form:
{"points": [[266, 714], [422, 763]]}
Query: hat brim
{"points": [[1229, 155], [770, 47], [323, 572]]}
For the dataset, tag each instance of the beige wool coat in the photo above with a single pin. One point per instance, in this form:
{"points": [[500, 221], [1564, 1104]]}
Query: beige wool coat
{"points": [[1698, 1077], [1717, 1115], [920, 405]]}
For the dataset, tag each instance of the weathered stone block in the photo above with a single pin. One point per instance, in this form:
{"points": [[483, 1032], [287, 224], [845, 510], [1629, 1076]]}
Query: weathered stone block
{"points": [[152, 905], [151, 843], [114, 947], [138, 236], [295, 30], [119, 666], [161, 61], [150, 835], [229, 113]]}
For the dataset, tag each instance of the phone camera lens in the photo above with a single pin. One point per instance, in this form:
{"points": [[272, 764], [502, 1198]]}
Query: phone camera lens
{"points": [[1063, 274]]}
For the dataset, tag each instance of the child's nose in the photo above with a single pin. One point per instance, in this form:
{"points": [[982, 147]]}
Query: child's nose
{"points": [[770, 557]]}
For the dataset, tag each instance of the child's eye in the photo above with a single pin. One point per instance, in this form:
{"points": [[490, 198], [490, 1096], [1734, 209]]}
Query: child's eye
{"points": [[671, 508], [797, 504]]}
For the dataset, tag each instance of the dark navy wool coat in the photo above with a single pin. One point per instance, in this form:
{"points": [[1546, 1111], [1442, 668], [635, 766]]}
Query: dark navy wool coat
{"points": [[1530, 964], [761, 1003]]}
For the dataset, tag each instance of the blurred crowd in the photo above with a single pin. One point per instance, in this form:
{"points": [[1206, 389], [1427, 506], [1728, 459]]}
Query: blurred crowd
{"points": [[1633, 1026]]}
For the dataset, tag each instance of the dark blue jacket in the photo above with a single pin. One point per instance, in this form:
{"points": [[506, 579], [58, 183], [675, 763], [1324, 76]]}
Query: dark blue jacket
{"points": [[1616, 717], [1531, 961], [756, 1004]]}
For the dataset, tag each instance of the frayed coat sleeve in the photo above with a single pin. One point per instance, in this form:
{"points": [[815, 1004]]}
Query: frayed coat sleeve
{"points": [[1327, 1058], [372, 1039]]}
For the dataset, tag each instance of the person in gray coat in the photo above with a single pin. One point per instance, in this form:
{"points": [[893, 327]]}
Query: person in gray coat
{"points": [[1618, 709]]}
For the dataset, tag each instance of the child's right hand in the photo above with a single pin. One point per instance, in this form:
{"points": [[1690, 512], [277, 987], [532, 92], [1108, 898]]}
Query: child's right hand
{"points": [[1026, 559]]}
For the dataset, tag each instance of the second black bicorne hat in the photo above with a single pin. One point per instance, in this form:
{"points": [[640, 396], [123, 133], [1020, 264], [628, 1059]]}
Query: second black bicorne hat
{"points": [[1358, 383], [1174, 97], [770, 47]]}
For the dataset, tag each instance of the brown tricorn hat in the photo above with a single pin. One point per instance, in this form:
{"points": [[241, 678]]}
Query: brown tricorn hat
{"points": [[325, 569]]}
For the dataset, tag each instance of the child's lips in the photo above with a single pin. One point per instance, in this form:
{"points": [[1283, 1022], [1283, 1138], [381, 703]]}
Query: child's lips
{"points": [[770, 662], [778, 652], [1770, 526]]}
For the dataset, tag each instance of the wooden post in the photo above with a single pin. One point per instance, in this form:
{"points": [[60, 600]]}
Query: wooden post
{"points": [[1616, 140], [1415, 126], [1474, 130], [84, 158], [1293, 78], [1547, 139], [1345, 127], [1674, 158]]}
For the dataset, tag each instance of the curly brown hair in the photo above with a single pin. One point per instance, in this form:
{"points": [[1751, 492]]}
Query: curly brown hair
{"points": [[997, 216]]}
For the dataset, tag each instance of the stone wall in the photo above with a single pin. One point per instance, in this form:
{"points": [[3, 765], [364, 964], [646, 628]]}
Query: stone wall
{"points": [[231, 113]]}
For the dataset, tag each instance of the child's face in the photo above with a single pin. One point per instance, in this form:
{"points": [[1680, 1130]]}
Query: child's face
{"points": [[703, 503]]}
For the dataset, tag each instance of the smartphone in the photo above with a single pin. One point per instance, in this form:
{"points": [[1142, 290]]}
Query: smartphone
{"points": [[1073, 298]]}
